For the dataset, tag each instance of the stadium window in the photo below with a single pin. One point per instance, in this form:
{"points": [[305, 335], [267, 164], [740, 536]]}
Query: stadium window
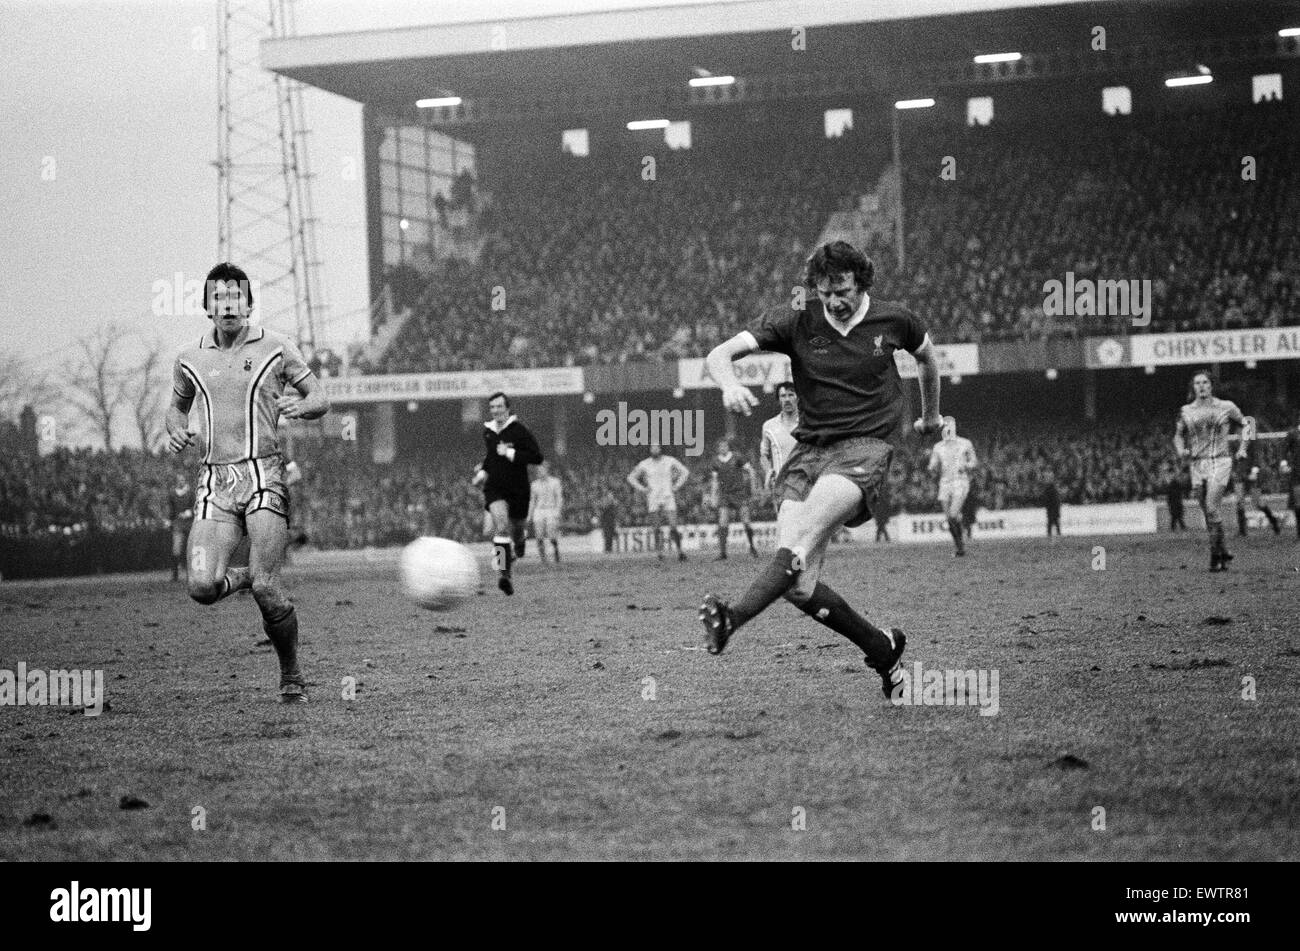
{"points": [[1117, 100], [979, 110], [1266, 87], [678, 135], [837, 122], [575, 142]]}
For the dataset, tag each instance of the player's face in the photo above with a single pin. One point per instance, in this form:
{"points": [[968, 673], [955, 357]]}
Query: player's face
{"points": [[1202, 386], [723, 449], [840, 295], [499, 410], [230, 308], [789, 401], [656, 451], [949, 428]]}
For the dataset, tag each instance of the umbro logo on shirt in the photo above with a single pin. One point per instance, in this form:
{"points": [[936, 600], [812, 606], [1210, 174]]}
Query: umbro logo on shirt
{"points": [[819, 342], [248, 365]]}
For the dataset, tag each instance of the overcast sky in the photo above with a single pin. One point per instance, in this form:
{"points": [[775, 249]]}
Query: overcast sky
{"points": [[108, 114]]}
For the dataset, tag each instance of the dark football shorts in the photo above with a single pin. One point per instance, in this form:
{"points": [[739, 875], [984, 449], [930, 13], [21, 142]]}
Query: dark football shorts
{"points": [[862, 460], [734, 500], [516, 503]]}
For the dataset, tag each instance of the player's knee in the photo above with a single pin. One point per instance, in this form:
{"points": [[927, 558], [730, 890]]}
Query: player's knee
{"points": [[204, 590], [270, 597]]}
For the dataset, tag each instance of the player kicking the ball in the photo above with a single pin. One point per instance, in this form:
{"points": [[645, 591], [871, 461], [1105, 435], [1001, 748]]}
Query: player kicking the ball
{"points": [[243, 379], [841, 347], [953, 459], [509, 449], [1201, 436]]}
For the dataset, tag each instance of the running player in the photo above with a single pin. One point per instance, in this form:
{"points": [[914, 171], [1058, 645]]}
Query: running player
{"points": [[509, 449], [1246, 481], [1201, 437], [546, 505], [180, 502], [658, 477], [841, 345], [731, 486], [953, 460], [243, 379], [778, 437]]}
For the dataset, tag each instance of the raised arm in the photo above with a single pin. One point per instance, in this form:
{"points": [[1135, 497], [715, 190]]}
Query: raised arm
{"points": [[735, 397], [927, 371]]}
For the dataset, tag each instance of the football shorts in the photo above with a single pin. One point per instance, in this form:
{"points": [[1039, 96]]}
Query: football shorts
{"points": [[1213, 472], [546, 523], [230, 491], [516, 502], [862, 460], [664, 502], [952, 493]]}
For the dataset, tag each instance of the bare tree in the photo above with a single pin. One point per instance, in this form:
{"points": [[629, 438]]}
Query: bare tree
{"points": [[97, 380], [145, 392], [22, 383]]}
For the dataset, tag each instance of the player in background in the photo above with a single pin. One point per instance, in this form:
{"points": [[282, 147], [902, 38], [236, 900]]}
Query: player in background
{"points": [[546, 505], [1289, 465], [953, 459], [732, 483], [509, 449], [1201, 438], [778, 437], [841, 346], [243, 379], [180, 504], [1246, 481], [659, 477]]}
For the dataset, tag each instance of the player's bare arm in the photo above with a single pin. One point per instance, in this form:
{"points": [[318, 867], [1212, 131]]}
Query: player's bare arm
{"points": [[1180, 440], [179, 434], [927, 371], [636, 483], [684, 473], [311, 404], [735, 397]]}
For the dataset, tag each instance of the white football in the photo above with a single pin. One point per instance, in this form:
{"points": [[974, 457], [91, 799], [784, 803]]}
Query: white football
{"points": [[438, 573]]}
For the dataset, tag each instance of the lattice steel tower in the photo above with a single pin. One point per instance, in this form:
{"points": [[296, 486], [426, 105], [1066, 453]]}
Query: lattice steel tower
{"points": [[265, 218]]}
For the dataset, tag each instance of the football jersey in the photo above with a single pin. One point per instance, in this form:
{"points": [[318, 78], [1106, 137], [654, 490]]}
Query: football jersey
{"points": [[954, 458], [548, 494], [1205, 427], [778, 442], [235, 392], [848, 383], [733, 480], [658, 475]]}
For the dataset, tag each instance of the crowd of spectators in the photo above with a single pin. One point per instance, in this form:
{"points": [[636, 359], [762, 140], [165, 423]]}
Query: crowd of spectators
{"points": [[585, 261]]}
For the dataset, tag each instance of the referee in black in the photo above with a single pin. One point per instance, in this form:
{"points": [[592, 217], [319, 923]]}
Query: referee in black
{"points": [[509, 449]]}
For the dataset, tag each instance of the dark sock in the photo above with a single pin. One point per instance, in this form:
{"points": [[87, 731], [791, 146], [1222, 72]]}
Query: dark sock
{"points": [[555, 547], [659, 541], [723, 531], [1272, 519], [282, 629], [676, 536], [954, 529], [502, 554], [749, 534], [775, 580], [829, 608], [1241, 521]]}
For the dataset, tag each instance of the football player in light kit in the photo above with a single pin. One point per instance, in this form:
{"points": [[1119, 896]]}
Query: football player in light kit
{"points": [[778, 437], [545, 509], [658, 478], [509, 449], [841, 347], [243, 380], [953, 460], [1201, 437]]}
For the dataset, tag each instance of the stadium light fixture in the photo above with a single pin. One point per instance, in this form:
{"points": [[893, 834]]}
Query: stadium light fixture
{"points": [[713, 80], [1051, 373], [640, 124], [436, 102], [955, 379], [997, 57], [1200, 80], [404, 224], [1289, 31], [1149, 370], [914, 104]]}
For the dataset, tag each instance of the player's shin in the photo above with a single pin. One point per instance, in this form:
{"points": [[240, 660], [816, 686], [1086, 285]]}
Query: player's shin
{"points": [[502, 554], [775, 580], [281, 626], [826, 606]]}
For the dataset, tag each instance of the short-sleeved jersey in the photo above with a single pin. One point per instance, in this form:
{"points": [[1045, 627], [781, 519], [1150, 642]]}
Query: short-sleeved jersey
{"points": [[235, 390], [659, 475], [548, 494], [1204, 427], [733, 480], [848, 383], [778, 442], [954, 458]]}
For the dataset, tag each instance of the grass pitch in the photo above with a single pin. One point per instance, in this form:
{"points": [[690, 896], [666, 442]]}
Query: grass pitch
{"points": [[580, 719]]}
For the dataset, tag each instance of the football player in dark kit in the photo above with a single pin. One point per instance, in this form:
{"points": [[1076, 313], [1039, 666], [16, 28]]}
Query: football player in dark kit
{"points": [[841, 346], [509, 450], [731, 485]]}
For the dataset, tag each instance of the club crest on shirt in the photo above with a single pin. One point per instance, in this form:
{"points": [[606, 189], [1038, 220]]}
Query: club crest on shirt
{"points": [[878, 352]]}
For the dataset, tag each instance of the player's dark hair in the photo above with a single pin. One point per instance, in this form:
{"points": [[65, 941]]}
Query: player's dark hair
{"points": [[499, 395], [225, 272], [836, 258], [786, 385], [1191, 383]]}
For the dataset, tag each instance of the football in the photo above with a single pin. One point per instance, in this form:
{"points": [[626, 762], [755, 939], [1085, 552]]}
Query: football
{"points": [[438, 573]]}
